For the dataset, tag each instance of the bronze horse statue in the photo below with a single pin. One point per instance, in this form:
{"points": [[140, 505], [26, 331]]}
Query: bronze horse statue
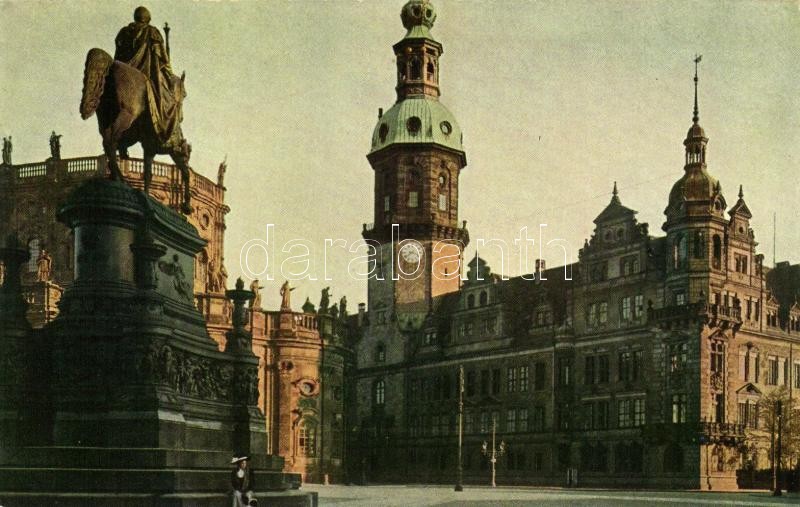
{"points": [[118, 93]]}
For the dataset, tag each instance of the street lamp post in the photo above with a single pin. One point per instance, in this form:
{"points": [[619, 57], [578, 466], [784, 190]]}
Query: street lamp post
{"points": [[495, 452], [460, 479], [776, 481]]}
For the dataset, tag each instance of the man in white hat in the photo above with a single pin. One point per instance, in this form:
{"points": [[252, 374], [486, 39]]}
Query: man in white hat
{"points": [[242, 482]]}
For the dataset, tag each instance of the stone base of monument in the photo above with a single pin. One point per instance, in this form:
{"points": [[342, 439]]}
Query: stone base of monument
{"points": [[124, 398]]}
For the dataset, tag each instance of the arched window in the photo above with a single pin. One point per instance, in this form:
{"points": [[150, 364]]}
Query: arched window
{"points": [[443, 193], [471, 301], [416, 68], [413, 188], [699, 245], [380, 353], [379, 393], [484, 298], [717, 262], [34, 248], [431, 68]]}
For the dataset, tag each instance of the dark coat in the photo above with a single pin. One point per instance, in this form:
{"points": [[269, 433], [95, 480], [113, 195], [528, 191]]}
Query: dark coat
{"points": [[242, 484]]}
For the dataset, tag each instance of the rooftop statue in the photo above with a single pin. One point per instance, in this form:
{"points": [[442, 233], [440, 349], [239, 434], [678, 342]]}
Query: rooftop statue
{"points": [[143, 102]]}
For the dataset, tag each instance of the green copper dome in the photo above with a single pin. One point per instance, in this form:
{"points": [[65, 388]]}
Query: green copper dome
{"points": [[414, 121], [418, 17]]}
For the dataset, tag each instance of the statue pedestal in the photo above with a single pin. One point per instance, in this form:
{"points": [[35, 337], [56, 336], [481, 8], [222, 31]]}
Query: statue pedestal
{"points": [[134, 398]]}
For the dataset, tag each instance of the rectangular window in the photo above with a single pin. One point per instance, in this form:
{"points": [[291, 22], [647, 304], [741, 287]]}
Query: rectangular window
{"points": [[741, 263], [564, 371], [469, 422], [680, 298], [717, 357], [471, 381], [588, 415], [772, 372], [511, 379], [624, 413], [719, 401], [677, 357], [626, 309], [785, 372], [563, 415], [589, 370], [603, 369], [678, 408], [496, 381], [638, 306], [484, 382], [601, 415], [385, 203], [307, 441], [638, 412], [484, 422], [539, 376], [538, 418], [523, 379], [637, 365], [629, 365], [602, 316], [511, 421], [442, 202], [797, 375], [591, 317], [522, 419], [413, 199]]}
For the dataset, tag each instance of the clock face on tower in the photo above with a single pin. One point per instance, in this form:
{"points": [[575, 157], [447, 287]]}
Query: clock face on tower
{"points": [[411, 253]]}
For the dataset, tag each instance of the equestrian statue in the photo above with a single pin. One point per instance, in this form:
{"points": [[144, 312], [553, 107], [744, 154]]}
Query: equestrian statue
{"points": [[138, 99]]}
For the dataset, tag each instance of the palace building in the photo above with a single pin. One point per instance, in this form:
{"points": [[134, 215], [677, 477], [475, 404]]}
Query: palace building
{"points": [[645, 363]]}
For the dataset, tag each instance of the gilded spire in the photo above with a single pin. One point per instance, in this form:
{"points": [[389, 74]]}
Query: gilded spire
{"points": [[741, 193], [696, 117]]}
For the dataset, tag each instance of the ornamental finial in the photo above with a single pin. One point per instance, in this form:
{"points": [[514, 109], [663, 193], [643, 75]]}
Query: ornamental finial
{"points": [[418, 12], [696, 116]]}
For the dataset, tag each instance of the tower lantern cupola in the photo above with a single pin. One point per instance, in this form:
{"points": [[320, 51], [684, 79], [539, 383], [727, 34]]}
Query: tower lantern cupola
{"points": [[696, 139], [418, 53], [696, 192]]}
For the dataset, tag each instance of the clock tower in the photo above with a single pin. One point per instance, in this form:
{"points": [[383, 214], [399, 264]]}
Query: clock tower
{"points": [[417, 157]]}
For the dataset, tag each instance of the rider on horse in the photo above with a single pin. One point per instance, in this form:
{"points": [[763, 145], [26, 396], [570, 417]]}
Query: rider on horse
{"points": [[141, 46]]}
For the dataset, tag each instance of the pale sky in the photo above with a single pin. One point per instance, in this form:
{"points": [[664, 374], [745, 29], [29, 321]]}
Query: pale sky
{"points": [[557, 100]]}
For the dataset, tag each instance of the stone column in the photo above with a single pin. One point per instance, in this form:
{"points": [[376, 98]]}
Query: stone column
{"points": [[249, 425], [14, 332]]}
